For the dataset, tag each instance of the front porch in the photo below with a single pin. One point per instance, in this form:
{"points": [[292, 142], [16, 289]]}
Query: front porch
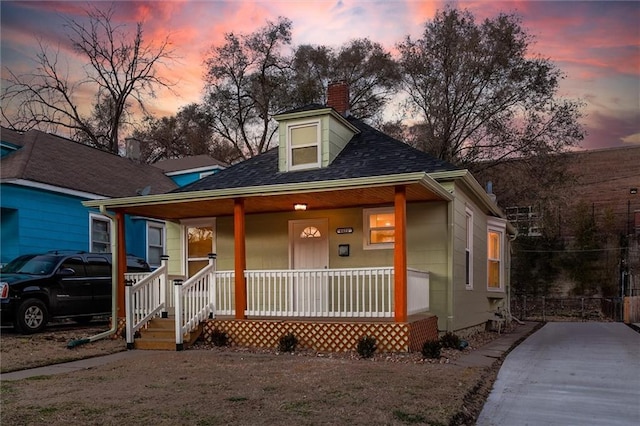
{"points": [[327, 309]]}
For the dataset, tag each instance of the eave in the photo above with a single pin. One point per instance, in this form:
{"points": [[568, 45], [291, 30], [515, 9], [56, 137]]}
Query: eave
{"points": [[322, 195]]}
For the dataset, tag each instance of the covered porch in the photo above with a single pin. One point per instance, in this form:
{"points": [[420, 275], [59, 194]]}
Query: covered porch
{"points": [[383, 300]]}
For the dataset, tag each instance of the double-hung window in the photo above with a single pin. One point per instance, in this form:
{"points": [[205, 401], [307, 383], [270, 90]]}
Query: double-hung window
{"points": [[495, 255], [155, 243], [468, 261], [379, 228], [304, 145], [99, 234]]}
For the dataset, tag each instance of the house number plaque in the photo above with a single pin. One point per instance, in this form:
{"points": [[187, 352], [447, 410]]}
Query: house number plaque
{"points": [[348, 230]]}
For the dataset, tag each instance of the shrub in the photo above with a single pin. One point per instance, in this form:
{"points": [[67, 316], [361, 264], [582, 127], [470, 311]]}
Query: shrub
{"points": [[450, 340], [219, 338], [431, 349], [366, 346], [288, 343]]}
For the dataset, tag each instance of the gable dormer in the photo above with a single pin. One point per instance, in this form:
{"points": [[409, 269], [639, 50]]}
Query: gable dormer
{"points": [[312, 137]]}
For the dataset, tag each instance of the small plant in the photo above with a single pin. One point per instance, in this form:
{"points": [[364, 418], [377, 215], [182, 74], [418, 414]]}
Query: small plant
{"points": [[450, 340], [431, 349], [219, 338], [366, 346], [288, 343]]}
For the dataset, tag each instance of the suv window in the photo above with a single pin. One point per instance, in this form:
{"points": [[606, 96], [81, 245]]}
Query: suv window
{"points": [[31, 264], [98, 267], [75, 263]]}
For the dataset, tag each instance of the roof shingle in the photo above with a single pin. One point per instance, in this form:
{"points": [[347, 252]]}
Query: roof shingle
{"points": [[53, 160], [369, 153]]}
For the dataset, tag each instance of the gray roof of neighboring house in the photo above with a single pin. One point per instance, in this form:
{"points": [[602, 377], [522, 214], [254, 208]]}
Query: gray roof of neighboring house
{"points": [[188, 163], [60, 162], [369, 153]]}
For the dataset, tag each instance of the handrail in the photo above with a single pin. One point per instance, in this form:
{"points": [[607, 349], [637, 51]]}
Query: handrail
{"points": [[145, 298], [194, 300]]}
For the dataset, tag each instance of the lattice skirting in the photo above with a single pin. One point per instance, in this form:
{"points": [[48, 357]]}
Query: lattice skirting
{"points": [[327, 336]]}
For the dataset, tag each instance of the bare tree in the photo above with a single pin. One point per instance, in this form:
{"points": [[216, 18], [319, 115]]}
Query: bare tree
{"points": [[245, 80], [478, 94], [120, 69], [371, 73], [189, 132]]}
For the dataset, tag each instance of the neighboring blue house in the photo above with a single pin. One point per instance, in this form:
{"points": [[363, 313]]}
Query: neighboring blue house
{"points": [[44, 179], [187, 170]]}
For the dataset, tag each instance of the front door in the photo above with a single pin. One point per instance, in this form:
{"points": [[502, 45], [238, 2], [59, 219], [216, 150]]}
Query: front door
{"points": [[309, 241]]}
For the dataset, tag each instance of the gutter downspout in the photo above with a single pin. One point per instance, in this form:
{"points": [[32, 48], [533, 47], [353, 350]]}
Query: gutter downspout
{"points": [[450, 281], [114, 288]]}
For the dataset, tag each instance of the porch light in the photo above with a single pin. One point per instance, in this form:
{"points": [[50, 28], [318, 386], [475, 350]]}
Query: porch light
{"points": [[300, 207]]}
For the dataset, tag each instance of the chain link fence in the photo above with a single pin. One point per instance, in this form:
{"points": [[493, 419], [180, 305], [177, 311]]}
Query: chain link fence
{"points": [[540, 308]]}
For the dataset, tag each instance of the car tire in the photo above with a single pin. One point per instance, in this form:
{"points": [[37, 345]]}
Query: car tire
{"points": [[32, 316], [83, 320]]}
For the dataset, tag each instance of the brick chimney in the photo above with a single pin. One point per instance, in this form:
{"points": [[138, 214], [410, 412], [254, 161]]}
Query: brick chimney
{"points": [[338, 97]]}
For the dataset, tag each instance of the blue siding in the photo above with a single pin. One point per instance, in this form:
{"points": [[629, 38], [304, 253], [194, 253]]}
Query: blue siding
{"points": [[35, 221], [187, 178]]}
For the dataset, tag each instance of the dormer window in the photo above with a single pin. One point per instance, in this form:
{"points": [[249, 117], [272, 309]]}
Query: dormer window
{"points": [[303, 142]]}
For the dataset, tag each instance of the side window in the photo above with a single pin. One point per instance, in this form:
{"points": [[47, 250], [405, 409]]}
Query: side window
{"points": [[155, 243], [75, 263], [99, 234], [98, 267], [379, 228], [469, 250], [495, 255]]}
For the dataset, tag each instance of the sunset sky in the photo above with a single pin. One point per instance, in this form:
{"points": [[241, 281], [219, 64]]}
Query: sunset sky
{"points": [[595, 43]]}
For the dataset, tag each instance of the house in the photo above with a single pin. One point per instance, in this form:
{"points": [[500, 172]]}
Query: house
{"points": [[186, 170], [44, 179], [339, 232]]}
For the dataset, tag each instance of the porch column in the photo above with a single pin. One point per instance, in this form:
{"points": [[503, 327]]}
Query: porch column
{"points": [[400, 254], [240, 259], [122, 263]]}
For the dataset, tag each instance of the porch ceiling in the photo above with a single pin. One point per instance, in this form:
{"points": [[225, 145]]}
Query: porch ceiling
{"points": [[267, 203]]}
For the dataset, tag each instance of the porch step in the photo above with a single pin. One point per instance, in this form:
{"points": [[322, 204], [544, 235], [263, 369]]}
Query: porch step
{"points": [[160, 335]]}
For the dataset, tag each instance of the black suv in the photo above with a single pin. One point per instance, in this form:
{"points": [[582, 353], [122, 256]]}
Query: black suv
{"points": [[35, 288]]}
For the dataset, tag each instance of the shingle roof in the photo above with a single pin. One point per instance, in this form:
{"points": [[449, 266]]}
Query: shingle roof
{"points": [[186, 163], [369, 153], [53, 160]]}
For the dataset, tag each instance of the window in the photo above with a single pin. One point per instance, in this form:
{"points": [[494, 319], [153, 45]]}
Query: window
{"points": [[468, 267], [495, 254], [379, 228], [304, 145], [98, 267], [200, 240], [310, 232], [100, 234], [155, 243]]}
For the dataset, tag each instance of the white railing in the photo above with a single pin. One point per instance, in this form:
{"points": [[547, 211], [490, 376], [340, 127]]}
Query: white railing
{"points": [[194, 300], [145, 298], [417, 291], [329, 293]]}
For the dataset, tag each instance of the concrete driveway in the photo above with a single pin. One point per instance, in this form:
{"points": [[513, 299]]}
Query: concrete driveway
{"points": [[569, 374]]}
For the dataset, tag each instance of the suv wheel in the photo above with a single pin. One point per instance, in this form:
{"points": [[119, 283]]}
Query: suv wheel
{"points": [[31, 316]]}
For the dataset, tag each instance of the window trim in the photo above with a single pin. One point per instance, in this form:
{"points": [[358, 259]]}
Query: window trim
{"points": [[366, 229], [499, 227], [100, 218], [317, 144], [468, 267], [163, 242]]}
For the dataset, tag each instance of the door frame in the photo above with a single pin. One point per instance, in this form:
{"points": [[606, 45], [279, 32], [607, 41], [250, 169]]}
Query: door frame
{"points": [[292, 222]]}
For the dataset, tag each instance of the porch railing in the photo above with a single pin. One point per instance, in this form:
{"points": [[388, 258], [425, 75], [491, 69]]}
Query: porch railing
{"points": [[145, 298], [194, 300], [417, 291], [329, 293]]}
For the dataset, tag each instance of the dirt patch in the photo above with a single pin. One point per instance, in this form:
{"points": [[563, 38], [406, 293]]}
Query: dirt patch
{"points": [[19, 352], [208, 385]]}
